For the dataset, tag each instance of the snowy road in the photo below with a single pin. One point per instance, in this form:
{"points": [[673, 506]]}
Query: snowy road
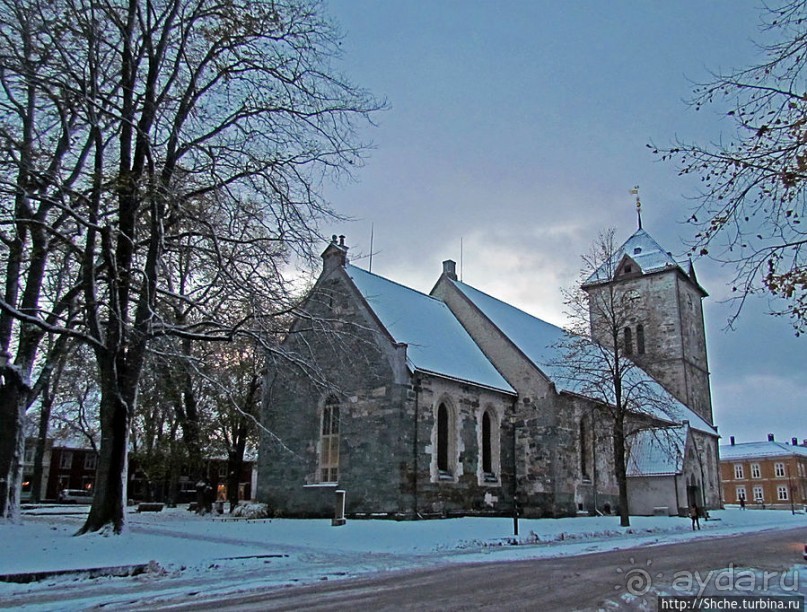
{"points": [[194, 560], [587, 582]]}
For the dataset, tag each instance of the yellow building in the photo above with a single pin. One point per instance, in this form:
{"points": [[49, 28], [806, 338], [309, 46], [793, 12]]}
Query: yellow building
{"points": [[765, 474]]}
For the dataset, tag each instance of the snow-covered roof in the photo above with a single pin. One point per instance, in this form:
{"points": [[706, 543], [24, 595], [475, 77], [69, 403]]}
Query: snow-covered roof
{"points": [[657, 452], [436, 341], [539, 342], [644, 251], [760, 450]]}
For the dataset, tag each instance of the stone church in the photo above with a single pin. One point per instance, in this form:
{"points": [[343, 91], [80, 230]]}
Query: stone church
{"points": [[451, 403]]}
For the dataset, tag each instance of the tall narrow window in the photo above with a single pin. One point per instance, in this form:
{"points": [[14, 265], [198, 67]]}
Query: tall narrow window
{"points": [[487, 454], [583, 451], [329, 443], [442, 439], [640, 339], [628, 341]]}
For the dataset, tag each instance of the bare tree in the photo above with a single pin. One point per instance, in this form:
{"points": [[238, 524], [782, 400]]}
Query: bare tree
{"points": [[235, 375], [227, 113], [751, 206], [596, 357], [36, 127]]}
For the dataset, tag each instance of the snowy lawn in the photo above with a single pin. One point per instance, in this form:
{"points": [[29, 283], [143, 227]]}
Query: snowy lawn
{"points": [[239, 554]]}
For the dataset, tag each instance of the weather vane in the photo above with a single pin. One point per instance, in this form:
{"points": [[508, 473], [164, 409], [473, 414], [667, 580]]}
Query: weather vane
{"points": [[635, 191]]}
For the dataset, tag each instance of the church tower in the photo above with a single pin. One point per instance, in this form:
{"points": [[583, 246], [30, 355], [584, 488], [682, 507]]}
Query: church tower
{"points": [[665, 335]]}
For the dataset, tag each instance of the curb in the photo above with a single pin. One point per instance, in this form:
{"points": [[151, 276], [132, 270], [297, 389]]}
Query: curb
{"points": [[118, 571]]}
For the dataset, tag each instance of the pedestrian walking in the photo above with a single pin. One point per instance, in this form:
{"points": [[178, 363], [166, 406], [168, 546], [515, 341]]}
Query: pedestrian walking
{"points": [[694, 514]]}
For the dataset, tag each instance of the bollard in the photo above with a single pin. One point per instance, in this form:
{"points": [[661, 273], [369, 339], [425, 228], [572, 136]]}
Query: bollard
{"points": [[339, 510]]}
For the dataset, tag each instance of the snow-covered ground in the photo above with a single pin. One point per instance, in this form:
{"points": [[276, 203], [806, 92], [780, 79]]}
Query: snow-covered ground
{"points": [[194, 555]]}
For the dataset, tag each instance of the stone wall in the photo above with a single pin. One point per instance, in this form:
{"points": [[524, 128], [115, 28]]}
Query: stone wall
{"points": [[546, 423], [348, 357], [387, 451]]}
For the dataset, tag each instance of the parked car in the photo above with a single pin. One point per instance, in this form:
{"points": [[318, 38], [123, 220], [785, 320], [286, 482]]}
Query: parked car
{"points": [[75, 496]]}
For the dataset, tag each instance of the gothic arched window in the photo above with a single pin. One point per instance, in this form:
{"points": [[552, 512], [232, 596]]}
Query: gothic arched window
{"points": [[329, 441], [640, 339], [443, 435], [628, 334], [487, 445], [584, 450]]}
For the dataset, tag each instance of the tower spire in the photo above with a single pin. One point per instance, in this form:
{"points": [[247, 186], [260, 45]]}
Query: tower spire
{"points": [[635, 191]]}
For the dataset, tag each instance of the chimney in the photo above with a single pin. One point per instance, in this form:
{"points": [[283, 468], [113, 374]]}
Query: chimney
{"points": [[450, 269], [335, 254], [794, 441], [731, 439], [770, 437]]}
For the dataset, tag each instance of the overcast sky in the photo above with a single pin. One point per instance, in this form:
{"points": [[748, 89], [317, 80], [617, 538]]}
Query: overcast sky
{"points": [[514, 133]]}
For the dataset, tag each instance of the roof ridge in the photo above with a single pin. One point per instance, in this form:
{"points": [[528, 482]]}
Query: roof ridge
{"points": [[396, 283], [539, 319]]}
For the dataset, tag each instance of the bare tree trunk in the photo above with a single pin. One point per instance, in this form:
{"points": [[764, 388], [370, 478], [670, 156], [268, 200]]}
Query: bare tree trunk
{"points": [[41, 444], [13, 404], [235, 463], [620, 469], [188, 416], [110, 481]]}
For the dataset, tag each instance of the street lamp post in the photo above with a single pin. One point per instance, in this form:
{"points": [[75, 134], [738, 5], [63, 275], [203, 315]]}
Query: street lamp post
{"points": [[790, 490]]}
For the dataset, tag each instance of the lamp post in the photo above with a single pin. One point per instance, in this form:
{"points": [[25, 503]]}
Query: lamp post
{"points": [[790, 490]]}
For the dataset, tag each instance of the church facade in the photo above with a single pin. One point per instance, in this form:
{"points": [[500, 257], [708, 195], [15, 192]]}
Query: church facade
{"points": [[450, 403]]}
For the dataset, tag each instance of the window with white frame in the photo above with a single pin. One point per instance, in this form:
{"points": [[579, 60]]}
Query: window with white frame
{"points": [[66, 460], [758, 494], [779, 469], [30, 452], [489, 446], [90, 461], [740, 493], [329, 442], [755, 471], [446, 445], [781, 493], [738, 471]]}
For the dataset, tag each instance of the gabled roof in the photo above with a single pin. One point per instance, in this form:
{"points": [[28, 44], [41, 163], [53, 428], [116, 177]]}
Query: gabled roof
{"points": [[538, 341], [658, 451], [436, 341], [760, 450], [647, 254]]}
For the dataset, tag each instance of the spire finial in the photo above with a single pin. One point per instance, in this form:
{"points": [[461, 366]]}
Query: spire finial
{"points": [[635, 191]]}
